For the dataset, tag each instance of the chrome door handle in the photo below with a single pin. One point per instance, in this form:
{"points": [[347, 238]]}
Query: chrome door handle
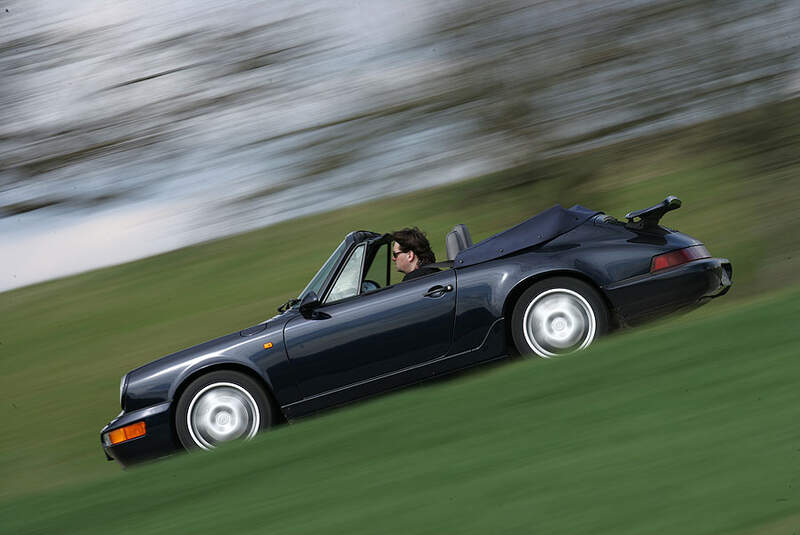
{"points": [[438, 291]]}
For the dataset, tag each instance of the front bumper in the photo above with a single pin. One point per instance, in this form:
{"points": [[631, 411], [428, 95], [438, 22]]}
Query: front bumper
{"points": [[158, 441], [646, 297]]}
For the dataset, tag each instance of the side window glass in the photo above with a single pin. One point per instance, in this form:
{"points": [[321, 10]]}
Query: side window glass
{"points": [[347, 283], [376, 271]]}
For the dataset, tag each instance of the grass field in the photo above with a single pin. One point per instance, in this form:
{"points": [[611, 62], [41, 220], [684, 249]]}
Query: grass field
{"points": [[688, 427]]}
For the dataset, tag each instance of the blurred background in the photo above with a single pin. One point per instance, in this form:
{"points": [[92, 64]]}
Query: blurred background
{"points": [[134, 127]]}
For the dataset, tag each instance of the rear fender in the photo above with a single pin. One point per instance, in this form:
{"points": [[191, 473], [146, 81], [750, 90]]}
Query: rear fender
{"points": [[524, 284]]}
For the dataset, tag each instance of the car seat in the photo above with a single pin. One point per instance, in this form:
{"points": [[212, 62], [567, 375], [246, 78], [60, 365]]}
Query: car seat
{"points": [[457, 240]]}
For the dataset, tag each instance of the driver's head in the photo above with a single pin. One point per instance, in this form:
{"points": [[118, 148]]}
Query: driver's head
{"points": [[411, 250]]}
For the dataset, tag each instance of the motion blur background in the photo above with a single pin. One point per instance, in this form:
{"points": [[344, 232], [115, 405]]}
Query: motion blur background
{"points": [[129, 128]]}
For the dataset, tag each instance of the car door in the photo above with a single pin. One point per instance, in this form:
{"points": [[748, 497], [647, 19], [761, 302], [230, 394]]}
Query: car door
{"points": [[353, 340]]}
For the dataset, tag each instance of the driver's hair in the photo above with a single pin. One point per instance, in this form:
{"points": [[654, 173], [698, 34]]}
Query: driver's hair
{"points": [[413, 239]]}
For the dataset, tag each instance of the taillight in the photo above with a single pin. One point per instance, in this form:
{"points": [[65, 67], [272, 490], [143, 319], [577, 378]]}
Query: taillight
{"points": [[676, 258]]}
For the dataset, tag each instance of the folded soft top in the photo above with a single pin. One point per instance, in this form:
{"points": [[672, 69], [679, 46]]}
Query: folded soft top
{"points": [[538, 229]]}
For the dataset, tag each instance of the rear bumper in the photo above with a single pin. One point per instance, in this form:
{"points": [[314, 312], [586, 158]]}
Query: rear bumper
{"points": [[646, 297], [158, 440]]}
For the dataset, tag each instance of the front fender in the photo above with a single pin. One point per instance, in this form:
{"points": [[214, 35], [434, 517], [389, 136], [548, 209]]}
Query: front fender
{"points": [[160, 380]]}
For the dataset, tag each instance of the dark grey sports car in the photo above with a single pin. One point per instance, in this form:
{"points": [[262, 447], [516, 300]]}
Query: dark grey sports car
{"points": [[548, 286]]}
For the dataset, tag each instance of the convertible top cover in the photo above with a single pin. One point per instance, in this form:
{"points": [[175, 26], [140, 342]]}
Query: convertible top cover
{"points": [[538, 229]]}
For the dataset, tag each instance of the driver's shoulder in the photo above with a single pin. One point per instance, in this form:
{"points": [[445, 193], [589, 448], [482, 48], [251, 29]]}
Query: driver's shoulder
{"points": [[420, 272]]}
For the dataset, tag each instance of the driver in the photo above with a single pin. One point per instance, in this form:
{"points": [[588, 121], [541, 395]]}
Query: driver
{"points": [[411, 253]]}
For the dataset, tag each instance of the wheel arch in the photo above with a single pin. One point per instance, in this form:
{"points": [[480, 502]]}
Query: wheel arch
{"points": [[515, 293], [225, 366]]}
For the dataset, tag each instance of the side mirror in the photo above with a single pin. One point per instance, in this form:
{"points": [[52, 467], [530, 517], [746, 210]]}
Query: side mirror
{"points": [[309, 302]]}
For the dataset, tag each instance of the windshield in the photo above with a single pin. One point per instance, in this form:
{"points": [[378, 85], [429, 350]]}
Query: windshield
{"points": [[322, 275]]}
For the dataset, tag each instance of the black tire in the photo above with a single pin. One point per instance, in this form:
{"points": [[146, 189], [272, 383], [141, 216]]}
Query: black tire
{"points": [[557, 316], [221, 406]]}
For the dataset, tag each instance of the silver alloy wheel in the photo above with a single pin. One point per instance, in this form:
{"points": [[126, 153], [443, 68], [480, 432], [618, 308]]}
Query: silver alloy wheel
{"points": [[558, 321], [221, 412]]}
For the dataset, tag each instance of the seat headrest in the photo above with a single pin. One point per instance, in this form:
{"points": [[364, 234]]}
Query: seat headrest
{"points": [[457, 240]]}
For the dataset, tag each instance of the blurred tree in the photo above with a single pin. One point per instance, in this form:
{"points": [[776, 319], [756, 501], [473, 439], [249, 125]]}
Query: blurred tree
{"points": [[122, 130], [550, 78], [506, 86]]}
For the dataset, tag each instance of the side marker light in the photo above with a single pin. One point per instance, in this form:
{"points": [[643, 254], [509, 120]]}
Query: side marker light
{"points": [[268, 345]]}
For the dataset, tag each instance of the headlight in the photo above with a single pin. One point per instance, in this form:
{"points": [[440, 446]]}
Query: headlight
{"points": [[123, 384]]}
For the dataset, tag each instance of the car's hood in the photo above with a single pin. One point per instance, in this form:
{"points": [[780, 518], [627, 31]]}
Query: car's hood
{"points": [[217, 345]]}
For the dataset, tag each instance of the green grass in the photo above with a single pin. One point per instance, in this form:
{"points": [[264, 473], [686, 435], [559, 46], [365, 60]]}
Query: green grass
{"points": [[606, 440], [685, 427]]}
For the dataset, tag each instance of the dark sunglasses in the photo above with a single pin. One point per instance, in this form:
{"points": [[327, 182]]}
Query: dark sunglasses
{"points": [[395, 254]]}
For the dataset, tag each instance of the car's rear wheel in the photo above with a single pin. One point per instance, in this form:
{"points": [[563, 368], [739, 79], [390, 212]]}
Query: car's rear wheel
{"points": [[558, 316], [219, 407]]}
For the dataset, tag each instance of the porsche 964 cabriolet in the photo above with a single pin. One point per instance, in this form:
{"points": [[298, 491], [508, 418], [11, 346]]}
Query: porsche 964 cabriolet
{"points": [[549, 286]]}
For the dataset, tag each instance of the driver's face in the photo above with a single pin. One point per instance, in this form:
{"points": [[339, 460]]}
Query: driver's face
{"points": [[401, 258]]}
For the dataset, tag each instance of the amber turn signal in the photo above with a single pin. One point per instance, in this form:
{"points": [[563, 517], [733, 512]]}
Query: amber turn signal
{"points": [[126, 433]]}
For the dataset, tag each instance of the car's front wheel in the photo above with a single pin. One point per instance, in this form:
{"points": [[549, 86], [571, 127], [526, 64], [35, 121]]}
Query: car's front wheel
{"points": [[219, 407], [558, 316]]}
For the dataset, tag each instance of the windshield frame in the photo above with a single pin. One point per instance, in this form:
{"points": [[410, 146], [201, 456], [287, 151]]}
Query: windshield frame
{"points": [[320, 283]]}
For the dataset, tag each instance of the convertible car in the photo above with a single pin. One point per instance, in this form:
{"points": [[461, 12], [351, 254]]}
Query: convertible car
{"points": [[546, 287]]}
